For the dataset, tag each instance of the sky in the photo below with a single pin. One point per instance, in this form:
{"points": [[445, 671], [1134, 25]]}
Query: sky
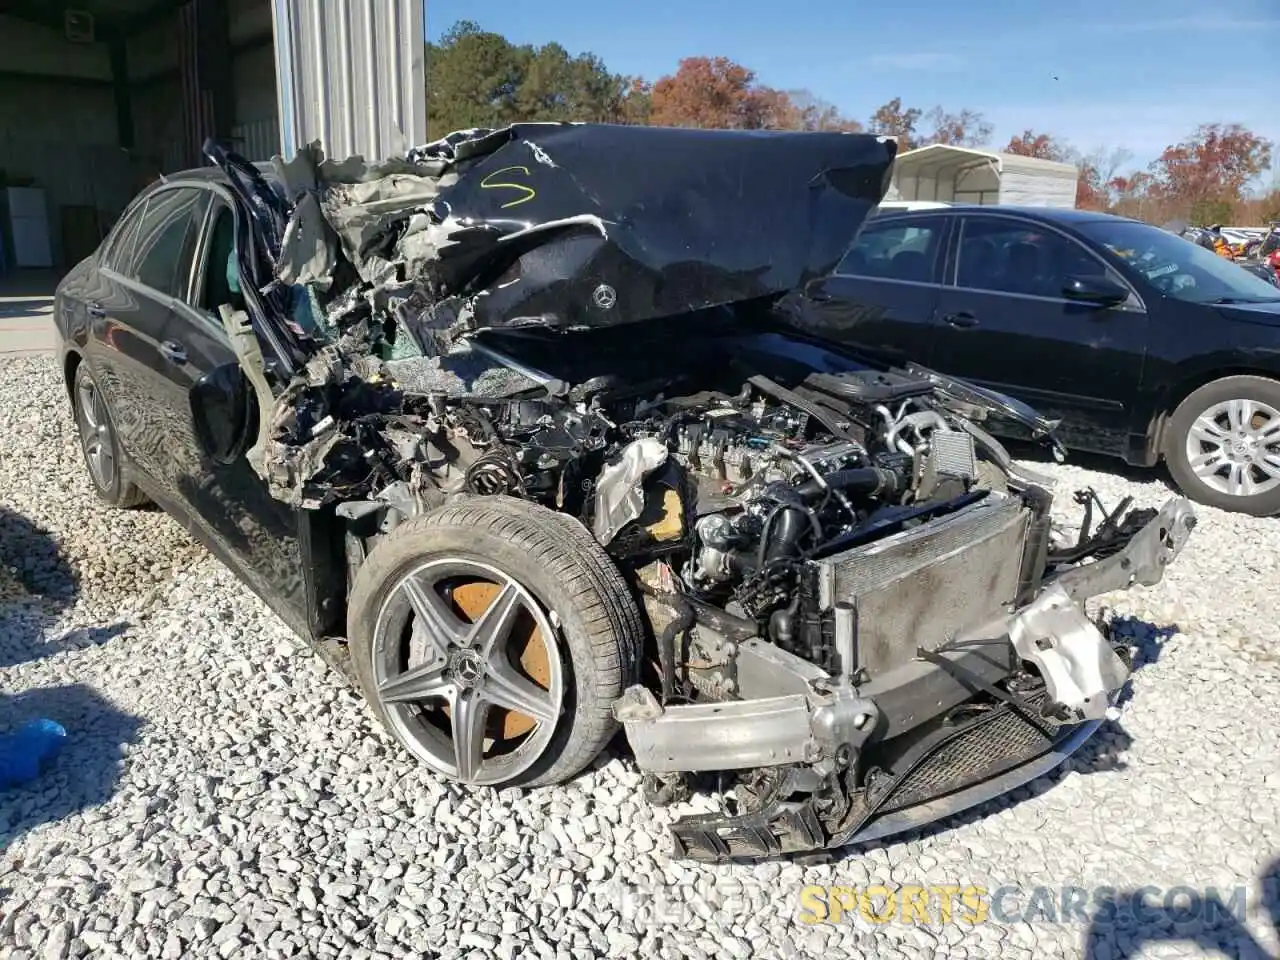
{"points": [[1098, 73]]}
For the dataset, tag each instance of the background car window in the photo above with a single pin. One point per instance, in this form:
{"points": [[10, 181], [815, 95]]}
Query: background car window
{"points": [[1020, 258], [161, 248], [894, 251]]}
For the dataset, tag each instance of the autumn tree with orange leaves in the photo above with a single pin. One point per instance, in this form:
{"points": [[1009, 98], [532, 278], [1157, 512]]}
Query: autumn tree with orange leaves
{"points": [[1042, 146], [1208, 172], [716, 92]]}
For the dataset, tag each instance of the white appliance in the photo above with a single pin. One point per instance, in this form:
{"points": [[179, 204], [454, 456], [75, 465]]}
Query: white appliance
{"points": [[28, 227]]}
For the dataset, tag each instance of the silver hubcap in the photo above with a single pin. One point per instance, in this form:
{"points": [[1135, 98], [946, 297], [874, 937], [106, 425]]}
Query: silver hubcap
{"points": [[467, 668], [1234, 447], [95, 435]]}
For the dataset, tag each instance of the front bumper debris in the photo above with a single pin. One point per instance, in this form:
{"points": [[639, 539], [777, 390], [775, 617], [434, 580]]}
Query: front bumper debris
{"points": [[958, 764], [952, 770]]}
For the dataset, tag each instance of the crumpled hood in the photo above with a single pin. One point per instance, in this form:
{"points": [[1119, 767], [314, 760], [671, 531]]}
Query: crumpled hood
{"points": [[573, 226], [588, 225]]}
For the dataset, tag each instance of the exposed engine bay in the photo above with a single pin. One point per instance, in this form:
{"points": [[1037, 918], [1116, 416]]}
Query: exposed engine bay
{"points": [[859, 617]]}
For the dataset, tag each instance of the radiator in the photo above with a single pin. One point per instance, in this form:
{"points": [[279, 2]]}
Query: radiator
{"points": [[921, 587]]}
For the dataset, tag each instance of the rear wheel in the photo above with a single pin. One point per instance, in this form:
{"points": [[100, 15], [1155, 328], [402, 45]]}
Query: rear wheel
{"points": [[491, 637], [99, 444], [1223, 445]]}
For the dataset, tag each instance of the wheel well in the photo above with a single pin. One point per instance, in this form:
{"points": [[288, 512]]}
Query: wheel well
{"points": [[69, 366], [1179, 391]]}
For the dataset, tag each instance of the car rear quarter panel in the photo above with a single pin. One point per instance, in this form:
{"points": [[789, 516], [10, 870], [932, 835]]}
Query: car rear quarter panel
{"points": [[1191, 345]]}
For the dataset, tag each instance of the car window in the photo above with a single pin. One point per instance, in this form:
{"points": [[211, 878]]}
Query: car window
{"points": [[902, 250], [1176, 267], [219, 276], [1011, 257], [159, 250], [119, 246]]}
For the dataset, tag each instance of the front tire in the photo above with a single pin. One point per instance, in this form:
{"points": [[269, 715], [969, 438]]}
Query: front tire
{"points": [[103, 456], [1223, 445], [491, 638]]}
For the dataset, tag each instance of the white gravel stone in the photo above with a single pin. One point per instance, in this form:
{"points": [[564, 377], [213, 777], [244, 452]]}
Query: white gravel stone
{"points": [[224, 795]]}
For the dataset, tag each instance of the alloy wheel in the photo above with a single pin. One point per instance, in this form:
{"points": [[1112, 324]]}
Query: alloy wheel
{"points": [[467, 668], [95, 434], [1233, 447]]}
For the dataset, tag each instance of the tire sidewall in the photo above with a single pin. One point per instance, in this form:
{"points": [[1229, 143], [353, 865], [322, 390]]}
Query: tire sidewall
{"points": [[572, 644], [1228, 388]]}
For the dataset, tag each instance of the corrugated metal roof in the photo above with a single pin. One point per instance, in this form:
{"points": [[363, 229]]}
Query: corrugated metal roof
{"points": [[352, 74], [949, 155]]}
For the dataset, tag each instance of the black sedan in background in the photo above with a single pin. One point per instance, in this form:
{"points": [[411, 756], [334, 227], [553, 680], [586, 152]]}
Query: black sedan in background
{"points": [[1146, 346]]}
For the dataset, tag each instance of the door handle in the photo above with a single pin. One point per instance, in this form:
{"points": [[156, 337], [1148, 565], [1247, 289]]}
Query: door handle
{"points": [[97, 311], [173, 352], [962, 319]]}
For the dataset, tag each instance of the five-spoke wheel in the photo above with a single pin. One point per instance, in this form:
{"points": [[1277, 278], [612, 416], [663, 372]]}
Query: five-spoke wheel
{"points": [[468, 669], [99, 444], [491, 637]]}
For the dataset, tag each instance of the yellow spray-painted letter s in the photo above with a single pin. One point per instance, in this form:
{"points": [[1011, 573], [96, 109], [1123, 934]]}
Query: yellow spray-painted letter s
{"points": [[488, 183]]}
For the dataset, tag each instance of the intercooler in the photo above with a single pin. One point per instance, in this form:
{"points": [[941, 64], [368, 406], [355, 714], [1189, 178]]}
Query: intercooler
{"points": [[924, 586]]}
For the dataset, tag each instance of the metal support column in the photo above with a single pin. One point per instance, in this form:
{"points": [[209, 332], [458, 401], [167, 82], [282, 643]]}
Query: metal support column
{"points": [[351, 74]]}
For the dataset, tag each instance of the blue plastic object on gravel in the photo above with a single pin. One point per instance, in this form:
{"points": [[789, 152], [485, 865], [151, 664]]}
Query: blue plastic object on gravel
{"points": [[28, 751]]}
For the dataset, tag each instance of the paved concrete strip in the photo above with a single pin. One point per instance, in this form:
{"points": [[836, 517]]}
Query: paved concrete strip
{"points": [[26, 325]]}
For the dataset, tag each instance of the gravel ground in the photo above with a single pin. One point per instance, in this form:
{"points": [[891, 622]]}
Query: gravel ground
{"points": [[224, 795]]}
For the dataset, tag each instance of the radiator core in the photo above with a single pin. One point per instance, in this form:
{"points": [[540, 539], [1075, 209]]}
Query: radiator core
{"points": [[923, 586]]}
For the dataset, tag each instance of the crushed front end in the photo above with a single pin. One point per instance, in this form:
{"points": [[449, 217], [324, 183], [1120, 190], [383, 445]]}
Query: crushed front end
{"points": [[914, 676], [860, 617]]}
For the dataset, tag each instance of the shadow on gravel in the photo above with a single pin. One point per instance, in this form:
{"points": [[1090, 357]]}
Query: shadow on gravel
{"points": [[1211, 919], [1147, 639], [36, 585], [1036, 453]]}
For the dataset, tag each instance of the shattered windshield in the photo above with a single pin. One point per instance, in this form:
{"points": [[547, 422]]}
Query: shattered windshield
{"points": [[1179, 268]]}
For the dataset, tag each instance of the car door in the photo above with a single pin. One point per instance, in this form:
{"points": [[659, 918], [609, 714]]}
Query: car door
{"points": [[228, 504], [880, 302], [1005, 323], [139, 278]]}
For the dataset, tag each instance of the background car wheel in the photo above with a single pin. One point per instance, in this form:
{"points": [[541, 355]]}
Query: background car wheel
{"points": [[1223, 445], [491, 638], [98, 443]]}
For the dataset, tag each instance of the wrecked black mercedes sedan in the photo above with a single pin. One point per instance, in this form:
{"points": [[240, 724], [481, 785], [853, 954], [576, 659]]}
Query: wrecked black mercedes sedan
{"points": [[509, 429]]}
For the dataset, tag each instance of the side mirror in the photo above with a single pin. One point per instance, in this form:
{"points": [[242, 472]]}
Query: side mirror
{"points": [[222, 410], [1099, 290]]}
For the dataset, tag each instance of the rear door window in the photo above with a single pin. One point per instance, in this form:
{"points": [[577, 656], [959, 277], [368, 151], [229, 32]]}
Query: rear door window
{"points": [[900, 250], [158, 252]]}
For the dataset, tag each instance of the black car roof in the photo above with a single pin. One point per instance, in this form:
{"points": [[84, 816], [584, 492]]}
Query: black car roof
{"points": [[1068, 216]]}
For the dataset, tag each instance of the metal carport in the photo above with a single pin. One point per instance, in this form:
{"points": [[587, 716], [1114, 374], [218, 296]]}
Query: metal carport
{"points": [[968, 175]]}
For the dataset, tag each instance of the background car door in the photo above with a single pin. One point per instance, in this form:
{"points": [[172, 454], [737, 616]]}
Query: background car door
{"points": [[139, 279], [226, 502], [880, 302], [1004, 323]]}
